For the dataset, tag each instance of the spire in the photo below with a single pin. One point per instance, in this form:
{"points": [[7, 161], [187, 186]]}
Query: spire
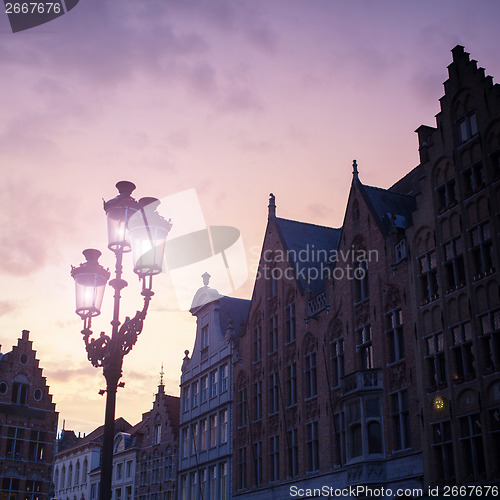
{"points": [[161, 374], [355, 170], [272, 205]]}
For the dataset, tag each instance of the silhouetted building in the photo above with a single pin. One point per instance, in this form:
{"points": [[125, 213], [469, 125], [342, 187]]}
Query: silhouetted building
{"points": [[206, 438], [371, 355], [156, 441], [28, 425]]}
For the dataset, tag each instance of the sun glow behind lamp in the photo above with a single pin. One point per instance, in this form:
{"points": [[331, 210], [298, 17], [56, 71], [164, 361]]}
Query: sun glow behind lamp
{"points": [[132, 226]]}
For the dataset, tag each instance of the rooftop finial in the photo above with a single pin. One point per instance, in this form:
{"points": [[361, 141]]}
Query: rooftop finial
{"points": [[272, 205], [206, 278], [355, 170], [161, 374]]}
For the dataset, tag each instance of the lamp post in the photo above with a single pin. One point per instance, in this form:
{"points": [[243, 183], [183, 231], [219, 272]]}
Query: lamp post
{"points": [[132, 226]]}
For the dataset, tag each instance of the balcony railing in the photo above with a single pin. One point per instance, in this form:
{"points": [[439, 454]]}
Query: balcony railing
{"points": [[363, 380], [317, 304]]}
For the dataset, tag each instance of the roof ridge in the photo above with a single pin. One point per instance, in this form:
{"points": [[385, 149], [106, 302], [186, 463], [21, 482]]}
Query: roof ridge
{"points": [[388, 191], [308, 223]]}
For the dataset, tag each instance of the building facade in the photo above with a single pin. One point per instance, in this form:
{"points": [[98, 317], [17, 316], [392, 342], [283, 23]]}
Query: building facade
{"points": [[75, 463], [455, 264], [28, 425], [205, 446], [371, 352], [156, 443]]}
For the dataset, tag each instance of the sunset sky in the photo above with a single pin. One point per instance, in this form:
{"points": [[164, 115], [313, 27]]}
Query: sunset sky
{"points": [[232, 98]]}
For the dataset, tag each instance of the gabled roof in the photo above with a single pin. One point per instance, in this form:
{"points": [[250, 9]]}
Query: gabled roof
{"points": [[121, 425], [391, 209], [308, 238], [233, 309]]}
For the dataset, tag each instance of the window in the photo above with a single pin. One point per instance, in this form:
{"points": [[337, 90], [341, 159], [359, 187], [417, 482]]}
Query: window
{"points": [[33, 490], [143, 476], [223, 426], [340, 439], [361, 281], [118, 494], [293, 452], [203, 483], [400, 420], [454, 264], [257, 463], [184, 486], [242, 467], [242, 407], [273, 392], [213, 384], [312, 446], [337, 361], [204, 337], [223, 481], [128, 493], [204, 388], [274, 458], [185, 398], [442, 449], [490, 338], [213, 430], [257, 344], [473, 179], [128, 469], [15, 438], [365, 347], [185, 442], [37, 447], [194, 394], [19, 393], [291, 384], [273, 334], [467, 127], [193, 483], [194, 438], [310, 372], [462, 350], [203, 434], [446, 195], [212, 482], [257, 399], [400, 250], [481, 251], [10, 488], [224, 375], [169, 468], [436, 369], [428, 276], [494, 437], [395, 333], [472, 446], [77, 473], [157, 434], [374, 437], [290, 322], [156, 472]]}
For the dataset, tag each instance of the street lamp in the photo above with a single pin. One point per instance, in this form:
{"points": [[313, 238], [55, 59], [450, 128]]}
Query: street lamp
{"points": [[132, 226]]}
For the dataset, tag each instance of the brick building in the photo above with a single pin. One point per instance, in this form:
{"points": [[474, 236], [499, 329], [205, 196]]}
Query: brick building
{"points": [[156, 442], [28, 425], [371, 353], [455, 262]]}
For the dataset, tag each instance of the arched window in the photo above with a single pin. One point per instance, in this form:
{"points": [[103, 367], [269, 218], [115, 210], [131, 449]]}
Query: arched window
{"points": [[355, 441], [77, 473]]}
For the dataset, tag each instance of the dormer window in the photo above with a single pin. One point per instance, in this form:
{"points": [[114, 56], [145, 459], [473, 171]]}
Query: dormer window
{"points": [[400, 250], [204, 337]]}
